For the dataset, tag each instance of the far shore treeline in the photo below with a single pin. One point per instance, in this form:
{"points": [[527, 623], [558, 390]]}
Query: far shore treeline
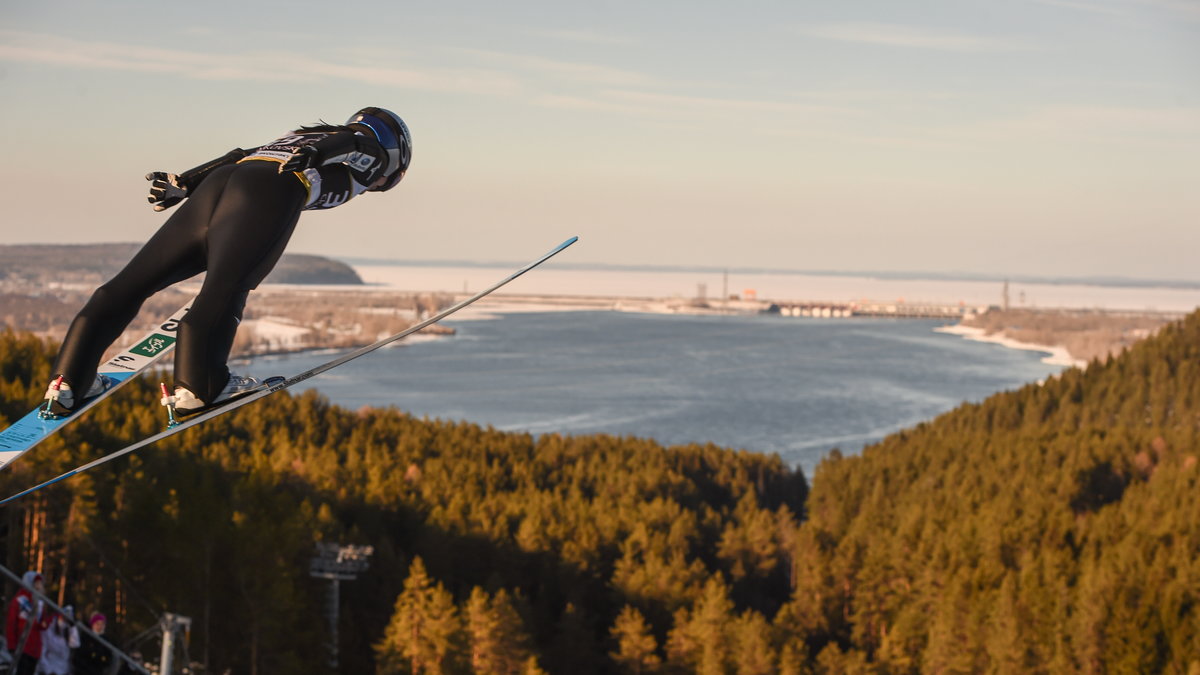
{"points": [[1052, 529], [42, 266]]}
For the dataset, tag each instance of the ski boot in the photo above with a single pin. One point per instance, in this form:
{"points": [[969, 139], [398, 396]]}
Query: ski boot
{"points": [[60, 399], [183, 402]]}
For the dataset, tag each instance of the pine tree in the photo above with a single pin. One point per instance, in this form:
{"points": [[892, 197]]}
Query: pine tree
{"points": [[424, 632], [499, 643], [1005, 641], [636, 647], [700, 639], [792, 659], [753, 653]]}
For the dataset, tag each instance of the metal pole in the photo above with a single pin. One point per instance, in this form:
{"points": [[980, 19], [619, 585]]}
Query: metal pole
{"points": [[168, 645], [725, 291], [170, 624], [337, 564], [335, 602]]}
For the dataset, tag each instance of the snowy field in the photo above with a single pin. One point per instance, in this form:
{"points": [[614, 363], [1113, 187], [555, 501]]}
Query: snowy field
{"points": [[1055, 356]]}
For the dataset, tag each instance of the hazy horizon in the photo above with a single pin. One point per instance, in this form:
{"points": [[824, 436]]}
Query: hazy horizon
{"points": [[932, 275], [945, 274]]}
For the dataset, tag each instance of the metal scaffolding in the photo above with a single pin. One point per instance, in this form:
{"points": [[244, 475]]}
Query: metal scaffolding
{"points": [[337, 563]]}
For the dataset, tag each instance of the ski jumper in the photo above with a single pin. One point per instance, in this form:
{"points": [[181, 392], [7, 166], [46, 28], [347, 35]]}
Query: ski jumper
{"points": [[237, 219]]}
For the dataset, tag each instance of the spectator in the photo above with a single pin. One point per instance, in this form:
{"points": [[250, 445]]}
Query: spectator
{"points": [[26, 621], [57, 642], [92, 657]]}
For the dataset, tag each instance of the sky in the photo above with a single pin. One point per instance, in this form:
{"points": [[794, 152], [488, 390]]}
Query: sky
{"points": [[1014, 137]]}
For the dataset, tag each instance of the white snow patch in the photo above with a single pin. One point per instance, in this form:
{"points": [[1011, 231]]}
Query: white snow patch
{"points": [[1056, 356], [276, 332]]}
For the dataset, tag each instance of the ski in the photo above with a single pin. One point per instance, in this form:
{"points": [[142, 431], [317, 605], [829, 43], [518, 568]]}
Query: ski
{"points": [[200, 418], [35, 427]]}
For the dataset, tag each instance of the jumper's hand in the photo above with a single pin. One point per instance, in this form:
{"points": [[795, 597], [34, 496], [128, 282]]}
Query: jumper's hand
{"points": [[165, 190], [304, 157]]}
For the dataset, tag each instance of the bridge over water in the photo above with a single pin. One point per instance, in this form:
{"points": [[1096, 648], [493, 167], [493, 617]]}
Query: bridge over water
{"points": [[904, 310]]}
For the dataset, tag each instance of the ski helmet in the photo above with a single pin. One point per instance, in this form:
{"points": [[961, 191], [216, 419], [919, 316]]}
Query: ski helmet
{"points": [[392, 134]]}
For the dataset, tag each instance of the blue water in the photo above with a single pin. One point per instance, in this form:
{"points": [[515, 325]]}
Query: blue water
{"points": [[797, 387]]}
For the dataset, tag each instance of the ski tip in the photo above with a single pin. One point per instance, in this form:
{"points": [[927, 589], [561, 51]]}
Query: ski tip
{"points": [[562, 246]]}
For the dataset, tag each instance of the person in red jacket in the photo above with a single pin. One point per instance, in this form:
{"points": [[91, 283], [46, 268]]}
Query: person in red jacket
{"points": [[26, 621]]}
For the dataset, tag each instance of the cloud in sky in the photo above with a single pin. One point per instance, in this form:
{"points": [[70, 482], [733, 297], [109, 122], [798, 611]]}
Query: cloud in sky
{"points": [[1184, 8], [1133, 126], [498, 73], [592, 86], [658, 105], [575, 85], [583, 37], [274, 66], [1178, 9], [1084, 6], [912, 37], [587, 73]]}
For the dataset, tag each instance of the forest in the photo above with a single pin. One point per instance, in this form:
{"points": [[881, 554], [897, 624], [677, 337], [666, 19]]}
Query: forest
{"points": [[1052, 529], [39, 267]]}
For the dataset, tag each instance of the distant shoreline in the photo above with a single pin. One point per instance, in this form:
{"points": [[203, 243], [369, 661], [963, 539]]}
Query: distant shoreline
{"points": [[508, 303], [1055, 355], [886, 275], [716, 288]]}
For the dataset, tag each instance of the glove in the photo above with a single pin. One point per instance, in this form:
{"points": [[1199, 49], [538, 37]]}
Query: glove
{"points": [[304, 157], [165, 190]]}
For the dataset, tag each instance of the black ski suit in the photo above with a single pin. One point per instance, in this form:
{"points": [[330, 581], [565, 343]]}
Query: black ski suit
{"points": [[237, 219]]}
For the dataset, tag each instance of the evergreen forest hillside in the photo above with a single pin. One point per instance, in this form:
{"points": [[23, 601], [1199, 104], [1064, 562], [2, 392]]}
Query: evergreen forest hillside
{"points": [[1051, 529], [550, 538], [41, 266]]}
